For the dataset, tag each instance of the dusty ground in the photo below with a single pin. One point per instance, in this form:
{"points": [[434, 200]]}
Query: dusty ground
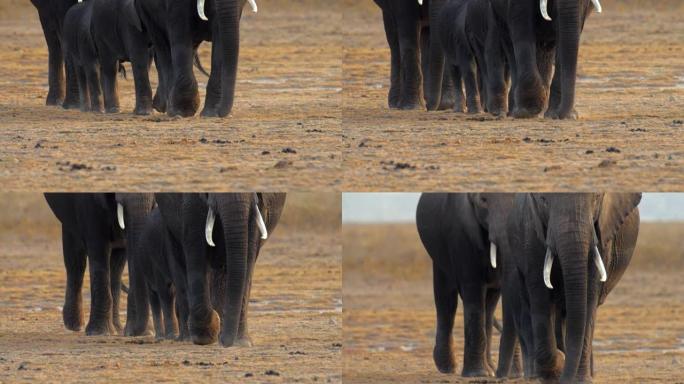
{"points": [[295, 314], [288, 96], [389, 315], [630, 96]]}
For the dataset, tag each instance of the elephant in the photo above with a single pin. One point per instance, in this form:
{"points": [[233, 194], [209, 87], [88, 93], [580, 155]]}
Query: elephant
{"points": [[407, 28], [62, 89], [593, 236], [98, 36], [535, 43], [212, 270], [463, 31], [151, 260], [99, 228], [464, 234], [176, 28]]}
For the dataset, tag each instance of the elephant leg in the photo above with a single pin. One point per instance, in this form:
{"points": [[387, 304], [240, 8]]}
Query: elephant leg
{"points": [[446, 302], [84, 95], [108, 68], [117, 263], [474, 354], [213, 95], [162, 59], [548, 360], [448, 100], [491, 301], [243, 338], [140, 63], [94, 91], [560, 329], [56, 89], [72, 100], [529, 93], [425, 57], [553, 111], [524, 327], [138, 309], [184, 96], [204, 321], [394, 95], [75, 264], [177, 267], [411, 76], [459, 98], [495, 80], [100, 322], [469, 73], [168, 310], [157, 318]]}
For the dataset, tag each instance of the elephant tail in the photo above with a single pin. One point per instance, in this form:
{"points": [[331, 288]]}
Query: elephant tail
{"points": [[198, 65], [122, 70]]}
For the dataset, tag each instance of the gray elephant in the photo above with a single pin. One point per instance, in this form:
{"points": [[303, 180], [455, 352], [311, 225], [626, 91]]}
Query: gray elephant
{"points": [[212, 269], [176, 28], [99, 227], [538, 35], [62, 89], [592, 236], [464, 234], [407, 27]]}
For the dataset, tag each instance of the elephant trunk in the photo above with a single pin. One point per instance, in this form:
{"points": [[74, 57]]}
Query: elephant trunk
{"points": [[235, 217], [573, 246], [228, 13], [433, 93], [569, 28]]}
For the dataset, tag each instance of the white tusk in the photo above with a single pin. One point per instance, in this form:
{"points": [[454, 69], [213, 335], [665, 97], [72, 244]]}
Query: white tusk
{"points": [[548, 263], [544, 8], [209, 228], [597, 5], [252, 3], [492, 254], [420, 2], [597, 259], [261, 224], [200, 10], [120, 215]]}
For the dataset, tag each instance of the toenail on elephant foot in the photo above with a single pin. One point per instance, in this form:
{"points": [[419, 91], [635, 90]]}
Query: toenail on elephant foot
{"points": [[104, 328], [477, 372], [205, 331]]}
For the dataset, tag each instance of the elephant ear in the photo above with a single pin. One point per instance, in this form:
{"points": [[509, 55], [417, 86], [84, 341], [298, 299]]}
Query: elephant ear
{"points": [[615, 207], [534, 216], [131, 14], [469, 223]]}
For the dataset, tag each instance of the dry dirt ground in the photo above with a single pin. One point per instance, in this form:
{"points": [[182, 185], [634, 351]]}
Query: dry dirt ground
{"points": [[295, 315], [288, 96], [389, 320], [630, 97]]}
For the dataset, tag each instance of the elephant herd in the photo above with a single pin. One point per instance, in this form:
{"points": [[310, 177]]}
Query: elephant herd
{"points": [[511, 56], [552, 258], [190, 259], [89, 39]]}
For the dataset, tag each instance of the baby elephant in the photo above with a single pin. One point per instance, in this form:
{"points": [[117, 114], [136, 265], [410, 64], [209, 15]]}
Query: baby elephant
{"points": [[463, 28], [107, 32]]}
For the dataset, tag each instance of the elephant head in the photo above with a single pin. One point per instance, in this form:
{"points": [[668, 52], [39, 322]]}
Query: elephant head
{"points": [[246, 220], [575, 228], [491, 211]]}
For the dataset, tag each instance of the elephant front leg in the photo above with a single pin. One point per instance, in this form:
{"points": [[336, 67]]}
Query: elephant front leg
{"points": [[446, 302], [72, 100], [491, 301], [100, 322], [93, 84], [117, 264], [168, 310], [184, 96], [75, 264], [56, 90], [474, 355], [213, 96], [530, 94], [495, 81], [411, 76], [394, 95], [108, 68], [459, 98]]}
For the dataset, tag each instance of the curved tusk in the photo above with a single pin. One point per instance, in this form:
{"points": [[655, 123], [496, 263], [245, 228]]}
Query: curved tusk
{"points": [[492, 254], [209, 228], [253, 4], [200, 10], [120, 215], [260, 223], [420, 2], [597, 259], [597, 5], [548, 263], [544, 8]]}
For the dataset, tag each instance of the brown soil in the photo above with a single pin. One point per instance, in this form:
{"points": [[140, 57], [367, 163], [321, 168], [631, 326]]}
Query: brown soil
{"points": [[295, 314], [630, 97], [288, 96], [389, 320]]}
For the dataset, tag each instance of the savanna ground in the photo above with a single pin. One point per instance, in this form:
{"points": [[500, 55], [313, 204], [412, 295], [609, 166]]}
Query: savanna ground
{"points": [[389, 318], [630, 97], [284, 132], [295, 310]]}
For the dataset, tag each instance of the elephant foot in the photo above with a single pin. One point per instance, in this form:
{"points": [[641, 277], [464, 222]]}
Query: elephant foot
{"points": [[474, 111], [551, 373], [446, 104], [410, 106], [72, 315], [53, 100], [184, 101], [158, 104], [112, 109], [205, 331], [444, 358], [478, 372], [142, 110], [525, 113], [132, 330], [243, 341], [556, 114], [100, 328], [393, 102], [209, 112], [71, 104]]}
